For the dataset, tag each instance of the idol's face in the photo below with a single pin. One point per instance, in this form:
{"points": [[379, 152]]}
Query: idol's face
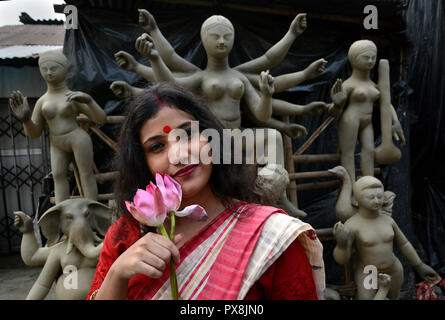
{"points": [[176, 157], [218, 41], [52, 72], [371, 198], [366, 60]]}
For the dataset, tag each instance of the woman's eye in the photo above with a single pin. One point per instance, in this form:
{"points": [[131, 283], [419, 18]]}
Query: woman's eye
{"points": [[155, 147]]}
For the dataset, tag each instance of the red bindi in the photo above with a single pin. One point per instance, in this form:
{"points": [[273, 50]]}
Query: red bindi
{"points": [[167, 129]]}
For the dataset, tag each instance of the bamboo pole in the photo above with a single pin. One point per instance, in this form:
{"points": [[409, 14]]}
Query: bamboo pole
{"points": [[289, 165], [76, 176], [314, 136], [316, 158], [104, 137], [323, 174]]}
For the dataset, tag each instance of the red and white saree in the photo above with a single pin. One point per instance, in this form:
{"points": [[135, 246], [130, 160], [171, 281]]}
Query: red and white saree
{"points": [[225, 259]]}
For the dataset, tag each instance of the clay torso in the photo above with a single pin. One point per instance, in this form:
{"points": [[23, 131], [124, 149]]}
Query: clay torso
{"points": [[362, 96], [85, 267], [59, 113], [373, 241], [223, 91]]}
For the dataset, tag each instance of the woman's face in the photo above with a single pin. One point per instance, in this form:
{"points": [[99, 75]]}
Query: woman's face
{"points": [[218, 41], [52, 72], [366, 60], [164, 156]]}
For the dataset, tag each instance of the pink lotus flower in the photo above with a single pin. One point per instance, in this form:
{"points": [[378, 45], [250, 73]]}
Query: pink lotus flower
{"points": [[150, 207], [171, 191], [194, 212]]}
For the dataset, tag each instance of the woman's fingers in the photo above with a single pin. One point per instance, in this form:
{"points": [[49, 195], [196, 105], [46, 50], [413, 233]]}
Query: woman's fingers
{"points": [[163, 248], [148, 270]]}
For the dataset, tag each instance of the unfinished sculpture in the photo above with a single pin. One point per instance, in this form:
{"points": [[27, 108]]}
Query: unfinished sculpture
{"points": [[75, 229], [369, 236], [354, 102], [227, 90], [58, 108], [344, 208]]}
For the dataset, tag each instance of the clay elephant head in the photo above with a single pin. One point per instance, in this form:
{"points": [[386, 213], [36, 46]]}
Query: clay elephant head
{"points": [[82, 221]]}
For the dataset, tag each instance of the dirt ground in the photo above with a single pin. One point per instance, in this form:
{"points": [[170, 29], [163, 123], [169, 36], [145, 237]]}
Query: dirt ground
{"points": [[16, 278]]}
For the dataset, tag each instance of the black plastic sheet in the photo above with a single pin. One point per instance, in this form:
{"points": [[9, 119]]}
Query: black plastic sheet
{"points": [[425, 73]]}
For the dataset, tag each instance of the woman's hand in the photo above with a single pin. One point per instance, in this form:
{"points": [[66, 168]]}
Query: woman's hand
{"points": [[144, 45], [19, 106], [148, 256], [126, 61], [266, 84], [146, 20]]}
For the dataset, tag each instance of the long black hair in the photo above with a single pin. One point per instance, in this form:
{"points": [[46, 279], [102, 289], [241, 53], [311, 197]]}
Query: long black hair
{"points": [[227, 181]]}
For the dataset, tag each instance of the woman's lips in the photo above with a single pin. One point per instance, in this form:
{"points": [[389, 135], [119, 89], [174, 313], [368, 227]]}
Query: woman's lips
{"points": [[184, 172]]}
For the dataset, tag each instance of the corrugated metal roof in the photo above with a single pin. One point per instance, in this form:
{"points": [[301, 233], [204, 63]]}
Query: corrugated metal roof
{"points": [[25, 51], [52, 35]]}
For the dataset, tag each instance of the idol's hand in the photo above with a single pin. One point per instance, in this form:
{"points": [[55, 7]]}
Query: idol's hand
{"points": [[146, 20], [315, 69], [121, 89], [299, 24], [126, 61], [344, 235], [266, 84], [23, 222], [144, 45], [19, 106], [80, 97]]}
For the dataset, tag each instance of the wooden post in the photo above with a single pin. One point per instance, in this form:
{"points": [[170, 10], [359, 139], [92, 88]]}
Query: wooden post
{"points": [[289, 165]]}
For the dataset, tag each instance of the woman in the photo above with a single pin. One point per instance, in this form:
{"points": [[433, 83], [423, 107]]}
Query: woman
{"points": [[243, 251], [59, 108]]}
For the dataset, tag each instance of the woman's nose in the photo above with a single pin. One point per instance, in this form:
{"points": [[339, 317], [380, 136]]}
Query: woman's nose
{"points": [[178, 153]]}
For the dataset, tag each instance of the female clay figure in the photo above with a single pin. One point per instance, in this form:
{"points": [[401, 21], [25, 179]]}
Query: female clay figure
{"points": [[180, 68], [369, 235], [357, 96], [58, 108]]}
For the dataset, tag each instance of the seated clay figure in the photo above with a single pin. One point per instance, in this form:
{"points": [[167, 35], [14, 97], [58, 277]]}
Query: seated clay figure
{"points": [[58, 108], [369, 236], [74, 230], [344, 208]]}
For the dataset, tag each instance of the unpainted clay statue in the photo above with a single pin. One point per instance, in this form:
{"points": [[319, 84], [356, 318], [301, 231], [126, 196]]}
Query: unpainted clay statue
{"points": [[354, 102], [74, 229], [228, 91], [252, 70], [344, 208], [369, 236], [58, 108]]}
